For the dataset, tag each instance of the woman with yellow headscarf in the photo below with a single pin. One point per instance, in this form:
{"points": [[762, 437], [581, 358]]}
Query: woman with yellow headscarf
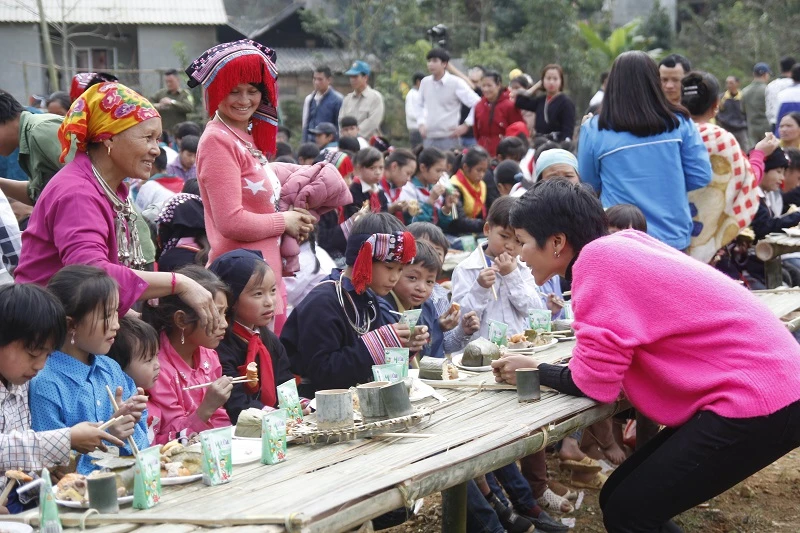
{"points": [[84, 215]]}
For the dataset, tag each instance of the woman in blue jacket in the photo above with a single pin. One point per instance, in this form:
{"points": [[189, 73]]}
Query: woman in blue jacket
{"points": [[645, 151]]}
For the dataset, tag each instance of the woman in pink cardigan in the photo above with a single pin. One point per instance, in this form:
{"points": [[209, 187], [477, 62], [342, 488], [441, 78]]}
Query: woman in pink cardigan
{"points": [[240, 189], [689, 348]]}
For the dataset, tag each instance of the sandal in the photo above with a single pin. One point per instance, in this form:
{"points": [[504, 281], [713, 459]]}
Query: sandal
{"points": [[587, 464], [562, 490], [551, 500], [596, 483]]}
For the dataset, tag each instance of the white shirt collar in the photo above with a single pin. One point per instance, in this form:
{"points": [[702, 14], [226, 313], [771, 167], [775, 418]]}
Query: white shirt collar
{"points": [[367, 188]]}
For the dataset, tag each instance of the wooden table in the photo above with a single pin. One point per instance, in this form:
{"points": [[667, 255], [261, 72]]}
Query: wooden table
{"points": [[337, 487]]}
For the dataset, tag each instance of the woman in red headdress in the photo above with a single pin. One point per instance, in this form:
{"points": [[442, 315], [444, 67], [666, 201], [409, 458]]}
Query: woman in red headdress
{"points": [[241, 190]]}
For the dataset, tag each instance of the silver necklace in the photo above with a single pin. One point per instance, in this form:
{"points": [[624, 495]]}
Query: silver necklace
{"points": [[359, 327], [261, 158], [255, 152], [129, 251]]}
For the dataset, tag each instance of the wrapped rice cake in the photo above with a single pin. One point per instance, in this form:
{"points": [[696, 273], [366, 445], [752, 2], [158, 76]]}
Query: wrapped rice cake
{"points": [[249, 424], [480, 352], [436, 368]]}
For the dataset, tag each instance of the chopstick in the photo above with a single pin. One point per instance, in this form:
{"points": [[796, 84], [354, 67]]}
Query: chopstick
{"points": [[111, 422], [242, 379], [486, 265], [131, 442]]}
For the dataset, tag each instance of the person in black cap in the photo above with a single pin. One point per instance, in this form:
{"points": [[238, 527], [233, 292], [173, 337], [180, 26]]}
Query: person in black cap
{"points": [[325, 135], [251, 309], [754, 103]]}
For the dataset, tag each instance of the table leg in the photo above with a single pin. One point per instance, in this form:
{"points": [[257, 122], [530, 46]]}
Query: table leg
{"points": [[454, 509], [773, 273]]}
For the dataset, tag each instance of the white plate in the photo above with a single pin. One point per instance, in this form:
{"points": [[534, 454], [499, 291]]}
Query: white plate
{"points": [[80, 505], [793, 232], [457, 362], [565, 339], [547, 346], [180, 480], [245, 451], [244, 438], [15, 527]]}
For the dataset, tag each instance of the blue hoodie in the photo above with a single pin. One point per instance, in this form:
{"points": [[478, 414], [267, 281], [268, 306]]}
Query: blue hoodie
{"points": [[653, 173]]}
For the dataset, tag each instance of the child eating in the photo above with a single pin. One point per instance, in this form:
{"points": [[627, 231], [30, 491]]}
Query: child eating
{"points": [[72, 386], [350, 335], [34, 324], [135, 349], [368, 169], [400, 166], [187, 358], [492, 281], [251, 304]]}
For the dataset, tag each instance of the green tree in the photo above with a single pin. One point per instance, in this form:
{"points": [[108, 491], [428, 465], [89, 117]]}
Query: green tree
{"points": [[622, 39], [491, 55], [658, 26]]}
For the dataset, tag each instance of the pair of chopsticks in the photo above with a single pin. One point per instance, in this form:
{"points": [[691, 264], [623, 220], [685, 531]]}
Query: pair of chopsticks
{"points": [[111, 422], [131, 442], [241, 379], [486, 265]]}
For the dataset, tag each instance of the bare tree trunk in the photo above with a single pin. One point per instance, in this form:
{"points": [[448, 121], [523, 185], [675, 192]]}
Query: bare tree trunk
{"points": [[48, 47], [65, 52]]}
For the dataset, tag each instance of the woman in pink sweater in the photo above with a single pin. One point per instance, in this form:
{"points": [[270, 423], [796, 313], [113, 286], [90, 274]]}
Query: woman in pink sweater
{"points": [[689, 348], [240, 189]]}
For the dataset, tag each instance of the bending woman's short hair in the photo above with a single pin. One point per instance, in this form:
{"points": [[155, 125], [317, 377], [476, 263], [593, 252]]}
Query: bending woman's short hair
{"points": [[559, 206], [634, 101], [699, 92]]}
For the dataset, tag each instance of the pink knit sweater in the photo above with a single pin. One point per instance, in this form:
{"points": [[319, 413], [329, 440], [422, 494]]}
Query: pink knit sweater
{"points": [[675, 335]]}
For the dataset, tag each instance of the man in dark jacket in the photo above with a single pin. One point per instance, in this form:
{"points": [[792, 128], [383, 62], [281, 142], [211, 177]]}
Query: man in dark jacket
{"points": [[322, 105], [730, 115]]}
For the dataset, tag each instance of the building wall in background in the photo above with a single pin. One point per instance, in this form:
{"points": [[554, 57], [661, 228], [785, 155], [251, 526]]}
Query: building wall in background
{"points": [[156, 50], [20, 43]]}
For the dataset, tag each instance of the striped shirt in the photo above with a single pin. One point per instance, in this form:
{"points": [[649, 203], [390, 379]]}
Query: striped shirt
{"points": [[10, 241], [20, 447]]}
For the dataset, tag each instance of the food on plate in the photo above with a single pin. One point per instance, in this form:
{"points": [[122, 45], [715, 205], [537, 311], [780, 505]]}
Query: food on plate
{"points": [[413, 208], [436, 368], [178, 461], [249, 424], [72, 488], [564, 325], [480, 352]]}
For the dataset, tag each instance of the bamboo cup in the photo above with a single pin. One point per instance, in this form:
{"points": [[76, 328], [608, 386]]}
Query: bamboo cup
{"points": [[334, 409], [528, 385]]}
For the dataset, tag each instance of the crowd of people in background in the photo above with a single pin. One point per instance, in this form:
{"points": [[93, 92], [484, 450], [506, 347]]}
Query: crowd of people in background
{"points": [[175, 252]]}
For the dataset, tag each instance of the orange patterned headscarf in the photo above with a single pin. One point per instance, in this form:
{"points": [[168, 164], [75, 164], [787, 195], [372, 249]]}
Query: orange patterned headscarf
{"points": [[101, 112]]}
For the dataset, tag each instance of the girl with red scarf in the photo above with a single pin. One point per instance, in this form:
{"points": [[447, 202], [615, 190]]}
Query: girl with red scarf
{"points": [[251, 305], [471, 167], [368, 169]]}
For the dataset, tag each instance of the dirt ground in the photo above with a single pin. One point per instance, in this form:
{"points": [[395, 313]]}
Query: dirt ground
{"points": [[766, 502]]}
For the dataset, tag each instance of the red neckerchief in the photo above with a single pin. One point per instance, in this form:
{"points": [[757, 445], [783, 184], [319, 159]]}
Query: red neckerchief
{"points": [[374, 199], [474, 193], [389, 190], [266, 376]]}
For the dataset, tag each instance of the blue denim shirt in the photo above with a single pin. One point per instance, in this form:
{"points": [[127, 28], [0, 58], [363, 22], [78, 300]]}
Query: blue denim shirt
{"points": [[67, 392]]}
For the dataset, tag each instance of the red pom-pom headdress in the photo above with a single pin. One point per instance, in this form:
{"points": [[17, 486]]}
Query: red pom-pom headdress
{"points": [[221, 68], [398, 247]]}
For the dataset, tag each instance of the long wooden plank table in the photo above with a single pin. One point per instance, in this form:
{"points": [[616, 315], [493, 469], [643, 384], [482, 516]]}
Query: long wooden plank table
{"points": [[336, 487]]}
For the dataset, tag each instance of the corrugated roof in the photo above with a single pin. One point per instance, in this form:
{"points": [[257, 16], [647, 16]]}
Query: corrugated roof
{"points": [[171, 12], [294, 60]]}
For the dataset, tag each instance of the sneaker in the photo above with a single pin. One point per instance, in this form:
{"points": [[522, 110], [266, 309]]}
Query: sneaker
{"points": [[545, 522], [511, 521]]}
